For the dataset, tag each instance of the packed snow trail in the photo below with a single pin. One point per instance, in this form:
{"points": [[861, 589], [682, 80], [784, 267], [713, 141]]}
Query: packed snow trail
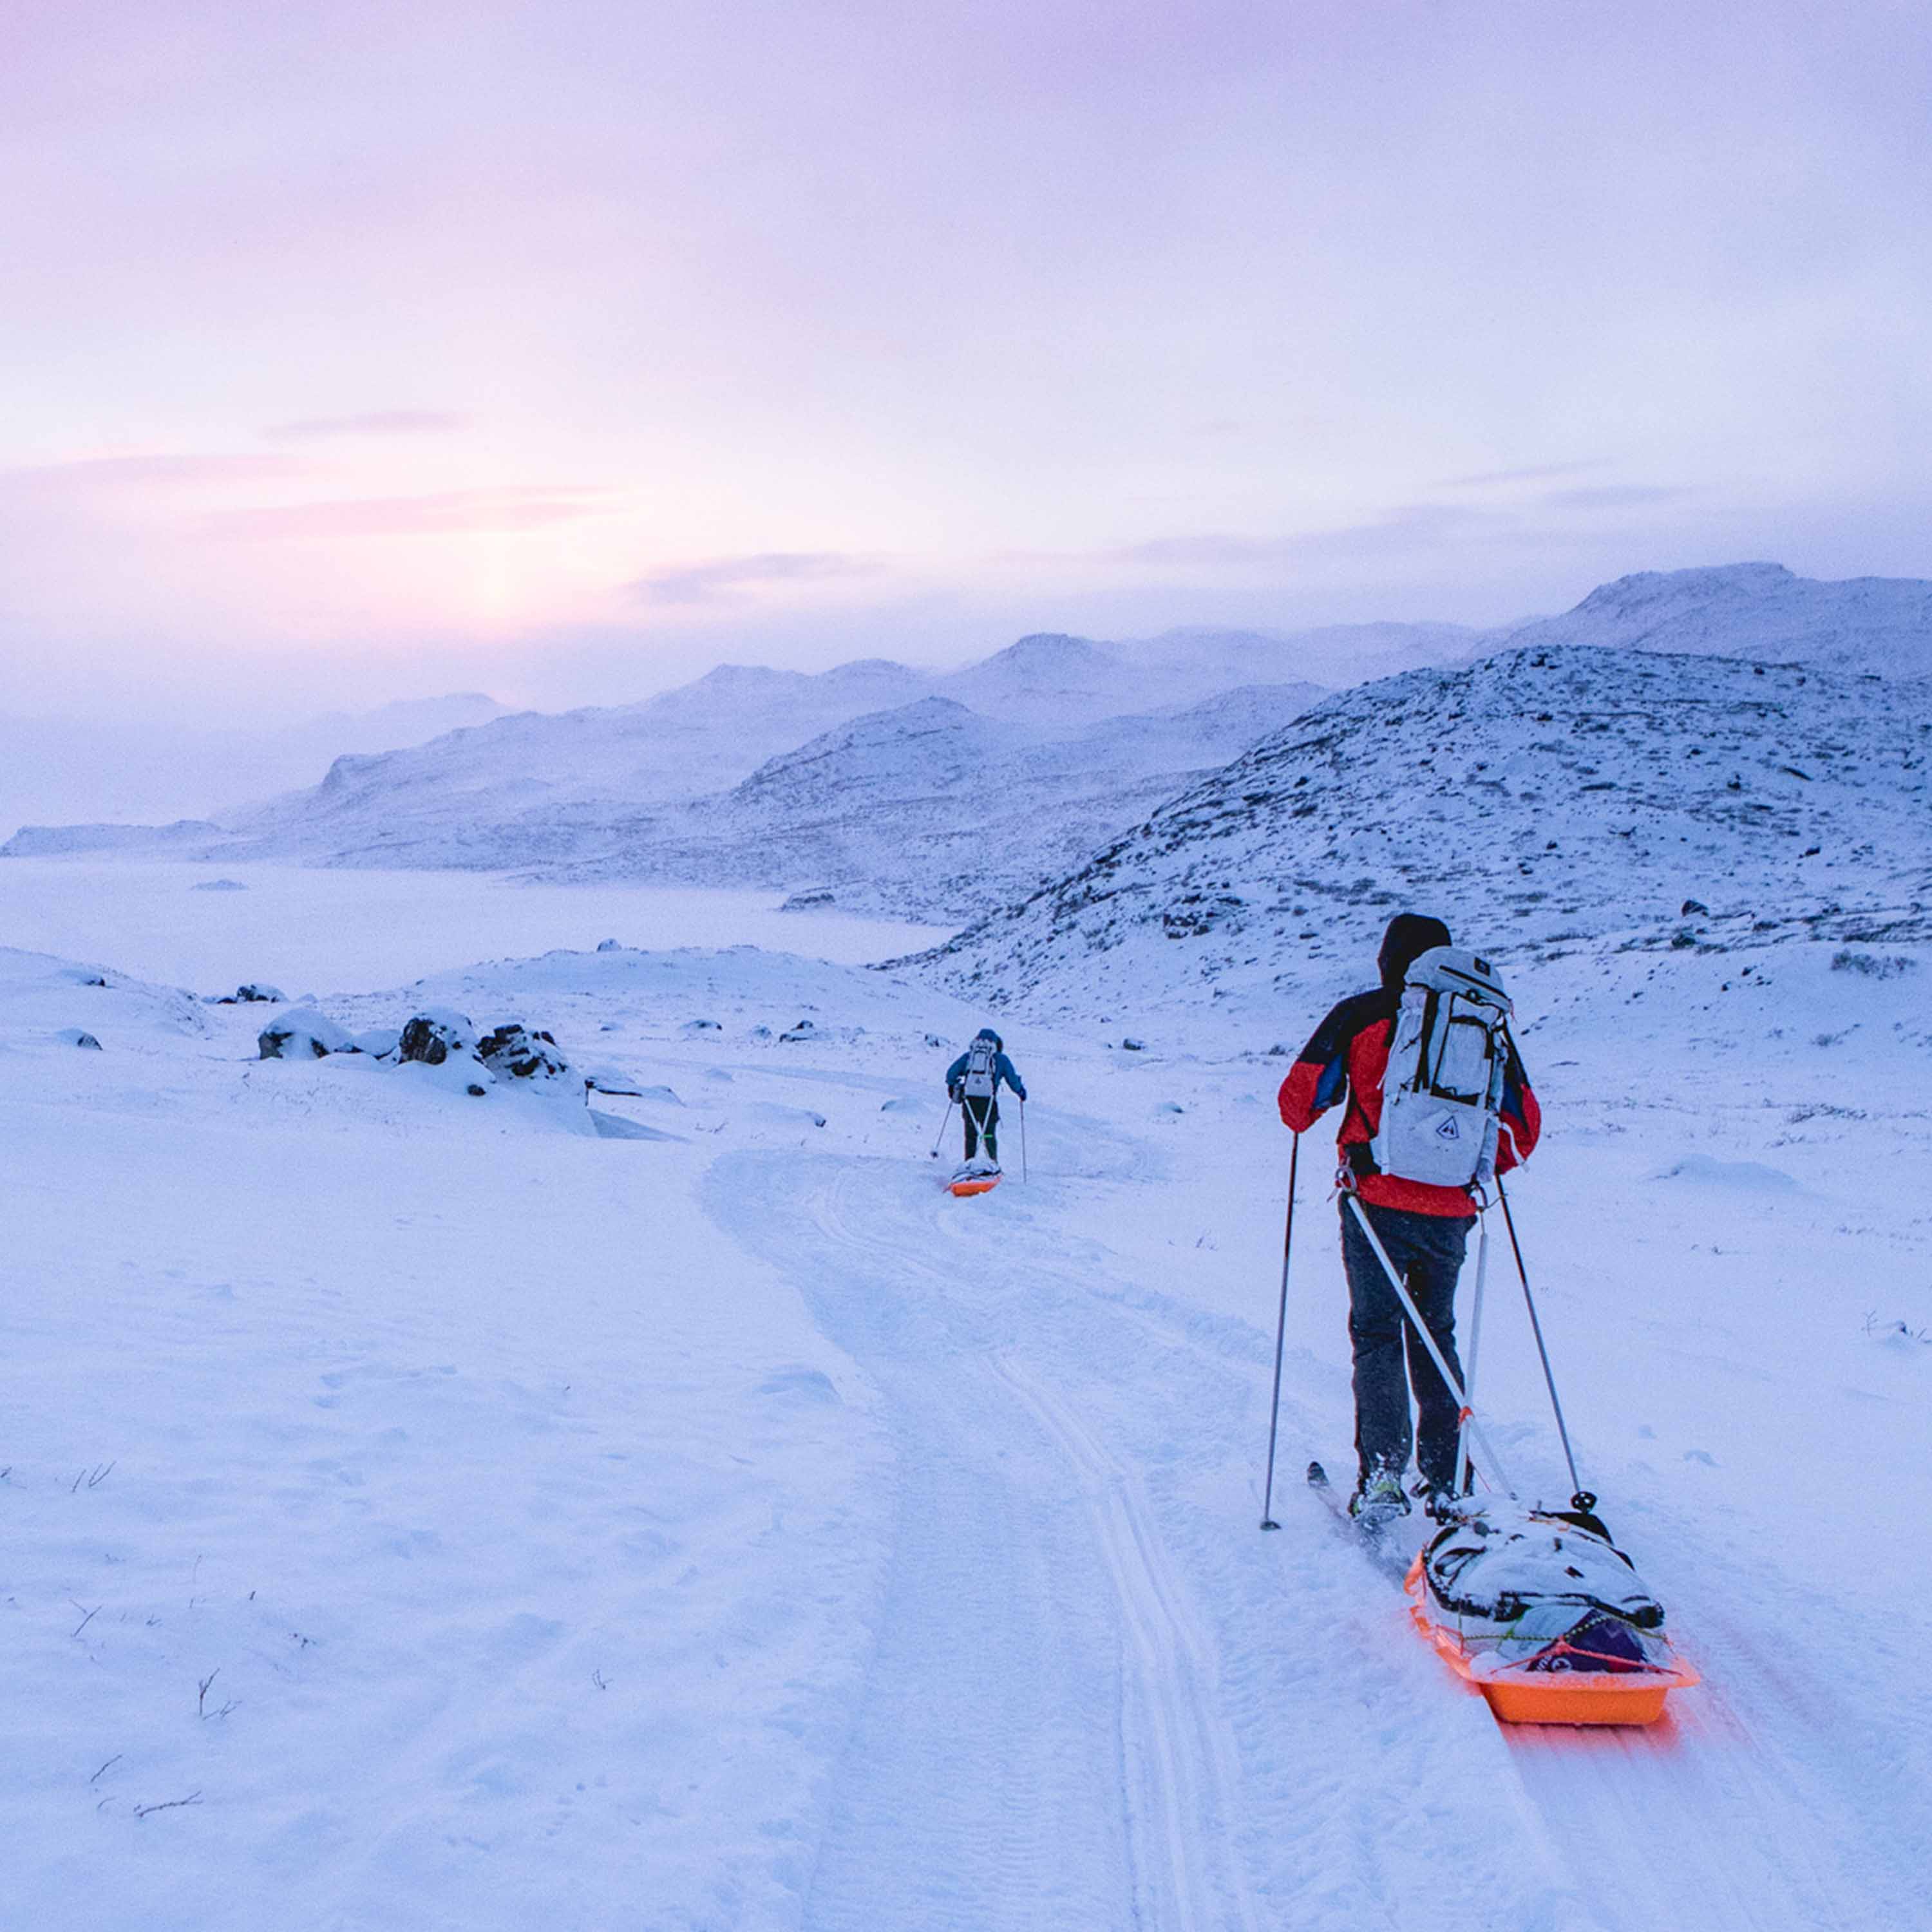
{"points": [[1098, 1698], [1009, 1585]]}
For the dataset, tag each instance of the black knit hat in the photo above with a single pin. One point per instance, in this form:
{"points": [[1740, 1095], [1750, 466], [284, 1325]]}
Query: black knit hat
{"points": [[1409, 936]]}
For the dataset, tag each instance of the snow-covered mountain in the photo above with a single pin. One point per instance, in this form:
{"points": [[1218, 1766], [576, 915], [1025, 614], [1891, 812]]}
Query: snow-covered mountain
{"points": [[935, 809], [945, 795], [1539, 799], [121, 774], [899, 788], [1336, 654], [538, 788], [1759, 610]]}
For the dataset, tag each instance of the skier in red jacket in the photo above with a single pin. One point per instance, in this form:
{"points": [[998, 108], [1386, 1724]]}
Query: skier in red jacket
{"points": [[1423, 1227]]}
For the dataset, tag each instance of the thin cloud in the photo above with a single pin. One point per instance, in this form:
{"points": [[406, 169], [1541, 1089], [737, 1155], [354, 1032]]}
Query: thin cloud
{"points": [[1411, 526], [714, 580], [375, 422], [1614, 496], [164, 471], [449, 513], [1541, 472]]}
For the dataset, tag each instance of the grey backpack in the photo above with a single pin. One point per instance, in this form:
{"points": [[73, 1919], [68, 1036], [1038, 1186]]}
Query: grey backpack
{"points": [[978, 1085], [1448, 1057]]}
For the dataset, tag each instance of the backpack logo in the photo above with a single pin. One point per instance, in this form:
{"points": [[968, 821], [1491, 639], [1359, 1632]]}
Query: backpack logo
{"points": [[1447, 1129]]}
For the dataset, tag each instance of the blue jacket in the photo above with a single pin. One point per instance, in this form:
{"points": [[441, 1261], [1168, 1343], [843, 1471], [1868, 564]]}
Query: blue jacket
{"points": [[1003, 1070]]}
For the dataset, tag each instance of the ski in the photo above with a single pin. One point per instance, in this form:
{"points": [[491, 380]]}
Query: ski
{"points": [[1379, 1540]]}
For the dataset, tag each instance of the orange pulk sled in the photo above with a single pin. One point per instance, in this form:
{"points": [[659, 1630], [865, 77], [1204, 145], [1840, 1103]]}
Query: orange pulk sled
{"points": [[1544, 1615], [1538, 1609]]}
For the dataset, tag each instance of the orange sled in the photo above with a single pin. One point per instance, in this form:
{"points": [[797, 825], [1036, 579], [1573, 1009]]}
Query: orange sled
{"points": [[979, 1184], [1552, 1694]]}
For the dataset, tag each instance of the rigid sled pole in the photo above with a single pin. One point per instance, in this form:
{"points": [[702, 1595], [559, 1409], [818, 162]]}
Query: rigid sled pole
{"points": [[943, 1125], [1465, 1415], [1580, 1498], [1280, 1333], [1475, 1344]]}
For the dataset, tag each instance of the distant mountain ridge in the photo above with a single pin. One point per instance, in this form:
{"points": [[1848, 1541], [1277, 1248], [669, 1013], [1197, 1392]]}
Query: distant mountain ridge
{"points": [[1547, 797], [1879, 625], [126, 775], [933, 810], [948, 795]]}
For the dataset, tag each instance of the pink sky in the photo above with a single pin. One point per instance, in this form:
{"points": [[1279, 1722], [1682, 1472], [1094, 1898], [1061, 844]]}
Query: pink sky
{"points": [[363, 351]]}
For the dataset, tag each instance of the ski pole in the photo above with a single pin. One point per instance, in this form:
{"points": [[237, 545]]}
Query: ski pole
{"points": [[1280, 1333], [1467, 1417], [1581, 1498], [1023, 1159], [1475, 1345], [943, 1125]]}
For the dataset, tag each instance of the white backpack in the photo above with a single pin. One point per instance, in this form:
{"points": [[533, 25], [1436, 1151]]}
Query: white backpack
{"points": [[1448, 1056], [978, 1085]]}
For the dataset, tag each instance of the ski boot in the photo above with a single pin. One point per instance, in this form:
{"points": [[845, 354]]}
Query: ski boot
{"points": [[1379, 1499]]}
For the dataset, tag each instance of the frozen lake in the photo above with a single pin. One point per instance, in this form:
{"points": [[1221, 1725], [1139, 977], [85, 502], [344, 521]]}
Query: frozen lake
{"points": [[314, 931]]}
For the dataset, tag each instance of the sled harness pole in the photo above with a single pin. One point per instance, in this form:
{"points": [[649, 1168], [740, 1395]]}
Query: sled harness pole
{"points": [[1280, 1332], [1465, 1416], [1475, 1345], [943, 1125], [1581, 1498]]}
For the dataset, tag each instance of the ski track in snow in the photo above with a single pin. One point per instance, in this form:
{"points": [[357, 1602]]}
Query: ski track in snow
{"points": [[1097, 1699], [1027, 1575], [1733, 1814]]}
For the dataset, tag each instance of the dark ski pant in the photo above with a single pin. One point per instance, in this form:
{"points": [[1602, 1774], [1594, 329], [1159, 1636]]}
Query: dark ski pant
{"points": [[1390, 1357], [982, 1119]]}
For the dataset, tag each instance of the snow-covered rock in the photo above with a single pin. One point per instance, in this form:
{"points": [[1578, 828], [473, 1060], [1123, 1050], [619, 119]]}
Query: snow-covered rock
{"points": [[303, 1033], [433, 1036], [514, 1052]]}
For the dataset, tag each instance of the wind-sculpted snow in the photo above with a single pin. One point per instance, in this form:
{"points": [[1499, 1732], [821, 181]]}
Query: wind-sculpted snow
{"points": [[1539, 800]]}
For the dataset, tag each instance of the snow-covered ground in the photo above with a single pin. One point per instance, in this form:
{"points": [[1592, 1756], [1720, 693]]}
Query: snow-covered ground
{"points": [[419, 1513]]}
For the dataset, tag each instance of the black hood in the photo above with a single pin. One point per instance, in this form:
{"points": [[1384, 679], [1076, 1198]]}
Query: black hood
{"points": [[1409, 936], [987, 1032]]}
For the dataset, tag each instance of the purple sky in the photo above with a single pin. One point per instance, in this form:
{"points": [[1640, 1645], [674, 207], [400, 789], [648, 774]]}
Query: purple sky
{"points": [[357, 351]]}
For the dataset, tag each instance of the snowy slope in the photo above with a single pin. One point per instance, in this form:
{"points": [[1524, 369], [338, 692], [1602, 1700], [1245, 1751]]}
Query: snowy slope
{"points": [[536, 789], [1336, 654], [419, 1515], [120, 775], [927, 806], [935, 807], [1538, 799], [516, 791], [1757, 611]]}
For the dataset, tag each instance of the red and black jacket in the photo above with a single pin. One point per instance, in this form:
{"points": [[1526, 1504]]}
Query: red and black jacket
{"points": [[1349, 1055]]}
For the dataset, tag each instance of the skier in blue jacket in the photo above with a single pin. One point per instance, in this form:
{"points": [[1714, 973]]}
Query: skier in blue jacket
{"points": [[974, 1081]]}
